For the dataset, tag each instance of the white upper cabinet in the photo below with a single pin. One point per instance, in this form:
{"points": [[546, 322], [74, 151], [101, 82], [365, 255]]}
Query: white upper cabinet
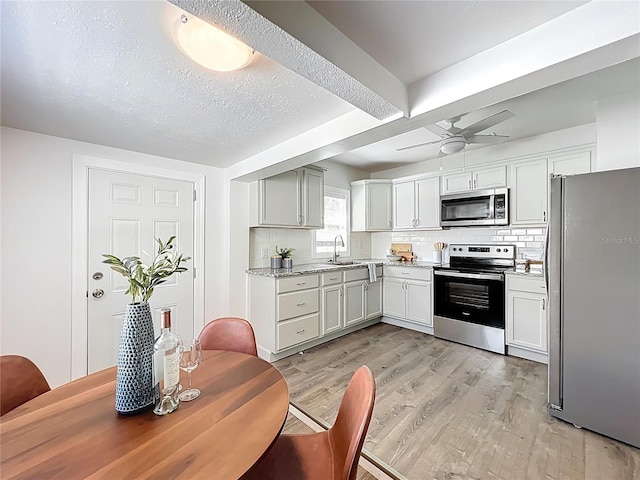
{"points": [[571, 164], [427, 201], [290, 199], [416, 204], [477, 179], [371, 205], [312, 198], [404, 205], [528, 183]]}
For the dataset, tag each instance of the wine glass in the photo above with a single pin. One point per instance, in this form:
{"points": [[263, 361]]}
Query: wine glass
{"points": [[191, 353]]}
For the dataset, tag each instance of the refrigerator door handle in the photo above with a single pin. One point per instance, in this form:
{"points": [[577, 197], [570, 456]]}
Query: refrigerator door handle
{"points": [[553, 255]]}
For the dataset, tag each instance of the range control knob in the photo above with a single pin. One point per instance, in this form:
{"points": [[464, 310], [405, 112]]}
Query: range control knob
{"points": [[498, 250], [506, 249]]}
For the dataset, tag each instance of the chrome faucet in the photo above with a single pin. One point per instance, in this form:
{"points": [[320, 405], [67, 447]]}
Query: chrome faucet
{"points": [[335, 247]]}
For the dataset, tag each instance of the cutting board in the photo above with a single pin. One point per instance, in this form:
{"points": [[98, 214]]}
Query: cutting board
{"points": [[401, 247], [404, 249]]}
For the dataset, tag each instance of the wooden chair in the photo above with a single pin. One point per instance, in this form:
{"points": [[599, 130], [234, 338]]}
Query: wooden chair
{"points": [[229, 333], [20, 381], [330, 455]]}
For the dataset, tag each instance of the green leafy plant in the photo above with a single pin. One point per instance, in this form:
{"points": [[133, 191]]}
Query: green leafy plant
{"points": [[284, 252], [144, 278]]}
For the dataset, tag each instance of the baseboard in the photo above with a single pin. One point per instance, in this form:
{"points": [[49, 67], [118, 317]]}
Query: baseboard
{"points": [[408, 324], [527, 354]]}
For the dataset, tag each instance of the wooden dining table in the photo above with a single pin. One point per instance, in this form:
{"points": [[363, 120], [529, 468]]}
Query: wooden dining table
{"points": [[75, 432]]}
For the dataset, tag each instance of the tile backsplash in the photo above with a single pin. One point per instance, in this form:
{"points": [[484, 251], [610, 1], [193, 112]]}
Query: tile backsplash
{"points": [[529, 242]]}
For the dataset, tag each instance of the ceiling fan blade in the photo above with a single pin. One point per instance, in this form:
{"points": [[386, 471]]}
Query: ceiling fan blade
{"points": [[417, 145], [487, 122], [438, 130], [487, 139]]}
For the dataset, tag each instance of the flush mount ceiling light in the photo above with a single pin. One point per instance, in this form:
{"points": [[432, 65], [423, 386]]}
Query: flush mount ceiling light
{"points": [[452, 144], [210, 47]]}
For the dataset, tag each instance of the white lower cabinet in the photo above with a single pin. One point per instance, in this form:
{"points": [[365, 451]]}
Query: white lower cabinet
{"points": [[526, 323], [408, 295], [332, 308], [362, 299], [296, 312]]}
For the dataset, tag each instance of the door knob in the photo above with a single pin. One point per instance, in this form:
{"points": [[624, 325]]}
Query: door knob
{"points": [[97, 293]]}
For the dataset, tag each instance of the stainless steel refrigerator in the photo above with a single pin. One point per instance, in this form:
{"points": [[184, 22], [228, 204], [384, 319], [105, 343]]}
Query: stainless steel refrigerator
{"points": [[593, 276]]}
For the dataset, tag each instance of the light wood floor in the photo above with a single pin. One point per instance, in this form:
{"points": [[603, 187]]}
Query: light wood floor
{"points": [[447, 411]]}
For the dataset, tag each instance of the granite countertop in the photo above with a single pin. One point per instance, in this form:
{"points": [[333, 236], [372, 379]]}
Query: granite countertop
{"points": [[539, 274], [310, 268]]}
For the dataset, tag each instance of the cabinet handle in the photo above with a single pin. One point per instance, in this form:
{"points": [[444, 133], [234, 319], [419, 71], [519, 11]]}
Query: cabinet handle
{"points": [[366, 286], [299, 219], [300, 332], [390, 224], [417, 222], [475, 183], [300, 304], [301, 283], [342, 291], [405, 273], [544, 302], [333, 278], [469, 184], [544, 216]]}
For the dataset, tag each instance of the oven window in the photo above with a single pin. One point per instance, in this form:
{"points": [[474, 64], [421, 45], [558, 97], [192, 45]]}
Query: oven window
{"points": [[477, 208], [469, 295], [472, 300]]}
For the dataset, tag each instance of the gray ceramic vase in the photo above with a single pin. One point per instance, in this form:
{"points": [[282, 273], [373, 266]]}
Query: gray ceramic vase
{"points": [[135, 391]]}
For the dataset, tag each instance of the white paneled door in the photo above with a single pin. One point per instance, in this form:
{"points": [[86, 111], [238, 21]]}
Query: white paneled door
{"points": [[126, 212]]}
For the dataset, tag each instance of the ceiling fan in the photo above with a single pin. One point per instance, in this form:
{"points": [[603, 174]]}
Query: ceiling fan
{"points": [[455, 139]]}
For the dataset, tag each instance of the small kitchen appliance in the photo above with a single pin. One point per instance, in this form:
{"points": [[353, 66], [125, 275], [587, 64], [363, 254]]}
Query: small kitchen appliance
{"points": [[469, 295]]}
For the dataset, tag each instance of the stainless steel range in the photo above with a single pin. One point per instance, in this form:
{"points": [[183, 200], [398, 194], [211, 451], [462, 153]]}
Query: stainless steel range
{"points": [[469, 295]]}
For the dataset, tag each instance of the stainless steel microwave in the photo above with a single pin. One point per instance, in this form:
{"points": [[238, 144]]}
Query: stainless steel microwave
{"points": [[475, 208]]}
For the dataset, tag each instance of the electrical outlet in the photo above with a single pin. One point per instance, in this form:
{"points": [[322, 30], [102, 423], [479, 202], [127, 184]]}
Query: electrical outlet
{"points": [[264, 252]]}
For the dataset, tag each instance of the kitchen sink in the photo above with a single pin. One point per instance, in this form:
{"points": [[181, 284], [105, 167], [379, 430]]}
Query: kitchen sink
{"points": [[340, 264]]}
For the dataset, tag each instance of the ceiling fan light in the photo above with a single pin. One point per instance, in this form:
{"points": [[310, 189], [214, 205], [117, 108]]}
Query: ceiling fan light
{"points": [[210, 47], [452, 145]]}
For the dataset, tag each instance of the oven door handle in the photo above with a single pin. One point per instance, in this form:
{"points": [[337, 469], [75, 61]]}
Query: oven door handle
{"points": [[480, 276]]}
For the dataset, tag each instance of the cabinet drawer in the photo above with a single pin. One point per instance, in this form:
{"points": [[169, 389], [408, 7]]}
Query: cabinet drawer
{"points": [[331, 278], [297, 331], [526, 284], [356, 274], [302, 282], [407, 273], [295, 304]]}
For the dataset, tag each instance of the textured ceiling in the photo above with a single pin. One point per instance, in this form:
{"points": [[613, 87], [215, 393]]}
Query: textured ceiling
{"points": [[108, 72]]}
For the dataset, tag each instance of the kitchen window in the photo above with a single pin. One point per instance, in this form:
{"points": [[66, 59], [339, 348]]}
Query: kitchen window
{"points": [[336, 222]]}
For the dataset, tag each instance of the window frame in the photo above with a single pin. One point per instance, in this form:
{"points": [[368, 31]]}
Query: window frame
{"points": [[342, 193]]}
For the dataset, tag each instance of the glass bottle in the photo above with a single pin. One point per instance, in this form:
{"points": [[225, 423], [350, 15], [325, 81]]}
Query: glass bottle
{"points": [[166, 359]]}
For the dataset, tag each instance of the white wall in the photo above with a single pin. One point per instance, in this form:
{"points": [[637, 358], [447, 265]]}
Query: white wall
{"points": [[36, 234], [618, 121]]}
